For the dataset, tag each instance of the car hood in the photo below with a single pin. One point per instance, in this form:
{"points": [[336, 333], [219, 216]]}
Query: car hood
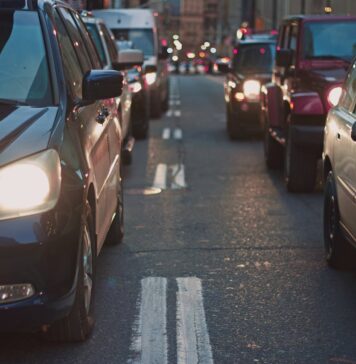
{"points": [[332, 75], [24, 130], [262, 77]]}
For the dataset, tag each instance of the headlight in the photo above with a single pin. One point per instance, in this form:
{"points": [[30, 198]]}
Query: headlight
{"points": [[334, 96], [135, 87], [151, 78], [30, 186], [252, 89]]}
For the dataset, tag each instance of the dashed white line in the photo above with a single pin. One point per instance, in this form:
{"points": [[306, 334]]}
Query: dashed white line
{"points": [[149, 341], [166, 134], [193, 343], [160, 180], [178, 174], [178, 134], [169, 113], [177, 113]]}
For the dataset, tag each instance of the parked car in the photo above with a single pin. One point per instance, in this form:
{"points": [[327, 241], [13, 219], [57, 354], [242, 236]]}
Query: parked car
{"points": [[139, 27], [313, 55], [140, 107], [122, 61], [251, 68], [60, 156], [339, 161]]}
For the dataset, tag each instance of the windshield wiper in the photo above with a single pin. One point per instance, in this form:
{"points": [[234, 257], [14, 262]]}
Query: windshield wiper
{"points": [[13, 102]]}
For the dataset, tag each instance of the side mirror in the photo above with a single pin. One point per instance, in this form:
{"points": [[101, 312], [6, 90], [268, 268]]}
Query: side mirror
{"points": [[353, 132], [129, 58], [284, 58], [101, 85], [224, 67], [164, 55]]}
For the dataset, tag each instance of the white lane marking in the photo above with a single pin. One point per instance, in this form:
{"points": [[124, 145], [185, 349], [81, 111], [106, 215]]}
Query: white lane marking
{"points": [[149, 342], [177, 113], [178, 175], [160, 180], [166, 134], [193, 343], [178, 134], [169, 113], [178, 103]]}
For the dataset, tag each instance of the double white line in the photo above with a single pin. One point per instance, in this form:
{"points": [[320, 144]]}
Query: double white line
{"points": [[176, 173], [150, 339], [176, 133]]}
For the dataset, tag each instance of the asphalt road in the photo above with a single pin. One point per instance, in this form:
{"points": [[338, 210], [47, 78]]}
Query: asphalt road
{"points": [[222, 266]]}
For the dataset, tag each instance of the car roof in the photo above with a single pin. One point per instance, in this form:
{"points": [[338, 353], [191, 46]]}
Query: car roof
{"points": [[318, 18], [251, 41], [29, 4]]}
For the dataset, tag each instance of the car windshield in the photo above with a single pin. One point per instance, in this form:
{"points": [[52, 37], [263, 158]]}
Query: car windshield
{"points": [[254, 58], [327, 40], [94, 32], [24, 75], [140, 38]]}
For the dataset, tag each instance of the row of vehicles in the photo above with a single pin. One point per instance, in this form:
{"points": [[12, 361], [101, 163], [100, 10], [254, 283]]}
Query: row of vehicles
{"points": [[294, 92], [71, 103]]}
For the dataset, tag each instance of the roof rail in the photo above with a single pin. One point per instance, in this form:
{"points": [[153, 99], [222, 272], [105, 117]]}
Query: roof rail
{"points": [[18, 4]]}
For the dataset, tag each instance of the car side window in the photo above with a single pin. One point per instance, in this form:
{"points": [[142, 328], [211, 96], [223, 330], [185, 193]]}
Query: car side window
{"points": [[77, 41], [73, 72], [96, 63], [349, 94], [110, 43], [281, 36], [293, 41], [285, 44]]}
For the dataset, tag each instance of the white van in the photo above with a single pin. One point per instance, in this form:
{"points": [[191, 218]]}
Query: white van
{"points": [[138, 27]]}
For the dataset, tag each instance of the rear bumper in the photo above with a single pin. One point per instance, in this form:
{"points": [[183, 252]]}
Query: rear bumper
{"points": [[246, 115]]}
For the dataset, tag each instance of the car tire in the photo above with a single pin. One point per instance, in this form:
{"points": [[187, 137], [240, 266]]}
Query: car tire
{"points": [[116, 233], [339, 253], [165, 103], [273, 151], [140, 131], [299, 167], [233, 130], [156, 105], [78, 325]]}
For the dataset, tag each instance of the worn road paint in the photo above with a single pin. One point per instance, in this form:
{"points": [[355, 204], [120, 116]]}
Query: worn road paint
{"points": [[178, 175], [160, 180], [177, 113], [193, 343], [166, 134], [149, 342], [178, 134]]}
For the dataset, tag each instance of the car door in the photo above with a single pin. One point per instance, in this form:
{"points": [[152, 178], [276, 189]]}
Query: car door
{"points": [[345, 154], [83, 122]]}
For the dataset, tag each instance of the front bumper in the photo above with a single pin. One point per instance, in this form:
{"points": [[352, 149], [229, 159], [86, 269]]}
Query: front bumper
{"points": [[41, 250], [247, 115]]}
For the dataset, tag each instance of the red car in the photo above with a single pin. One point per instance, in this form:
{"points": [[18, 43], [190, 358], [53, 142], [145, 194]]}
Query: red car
{"points": [[312, 59]]}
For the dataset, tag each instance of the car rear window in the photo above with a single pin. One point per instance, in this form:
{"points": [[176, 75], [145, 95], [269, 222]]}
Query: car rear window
{"points": [[24, 73]]}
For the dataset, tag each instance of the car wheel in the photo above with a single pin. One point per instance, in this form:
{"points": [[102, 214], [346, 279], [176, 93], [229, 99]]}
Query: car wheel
{"points": [[339, 253], [156, 105], [299, 167], [116, 233], [273, 151], [78, 325], [233, 130], [165, 103]]}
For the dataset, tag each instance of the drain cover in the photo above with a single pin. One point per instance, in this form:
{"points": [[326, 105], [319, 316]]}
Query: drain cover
{"points": [[149, 191]]}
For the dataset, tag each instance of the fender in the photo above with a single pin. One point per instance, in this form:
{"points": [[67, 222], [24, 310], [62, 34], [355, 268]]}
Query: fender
{"points": [[306, 103], [272, 104]]}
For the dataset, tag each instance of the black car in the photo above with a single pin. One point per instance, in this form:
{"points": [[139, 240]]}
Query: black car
{"points": [[60, 183], [251, 67]]}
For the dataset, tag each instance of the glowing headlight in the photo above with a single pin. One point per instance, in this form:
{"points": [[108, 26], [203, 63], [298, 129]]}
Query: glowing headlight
{"points": [[151, 78], [30, 186], [334, 96], [252, 89], [135, 87]]}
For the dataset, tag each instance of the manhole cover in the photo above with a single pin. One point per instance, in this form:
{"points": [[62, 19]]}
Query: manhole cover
{"points": [[143, 191]]}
